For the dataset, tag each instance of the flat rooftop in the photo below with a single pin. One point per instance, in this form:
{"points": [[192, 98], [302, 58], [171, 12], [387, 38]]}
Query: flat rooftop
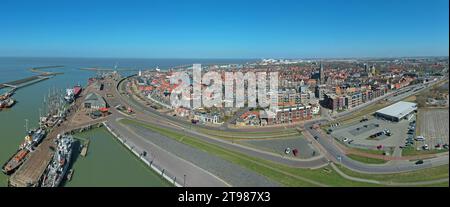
{"points": [[399, 109]]}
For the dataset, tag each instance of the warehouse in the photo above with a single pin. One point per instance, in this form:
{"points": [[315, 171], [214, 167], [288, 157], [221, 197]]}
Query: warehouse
{"points": [[397, 111], [94, 101]]}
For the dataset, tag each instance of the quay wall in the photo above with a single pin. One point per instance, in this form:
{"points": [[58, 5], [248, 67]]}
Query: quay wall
{"points": [[159, 170]]}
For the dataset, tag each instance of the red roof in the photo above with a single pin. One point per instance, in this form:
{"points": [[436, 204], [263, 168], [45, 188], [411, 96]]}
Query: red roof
{"points": [[103, 109]]}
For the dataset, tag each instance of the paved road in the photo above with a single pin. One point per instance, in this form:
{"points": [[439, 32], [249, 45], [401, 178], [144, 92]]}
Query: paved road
{"points": [[338, 156]]}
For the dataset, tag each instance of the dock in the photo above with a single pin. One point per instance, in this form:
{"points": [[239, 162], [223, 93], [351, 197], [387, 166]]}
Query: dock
{"points": [[31, 171], [84, 150]]}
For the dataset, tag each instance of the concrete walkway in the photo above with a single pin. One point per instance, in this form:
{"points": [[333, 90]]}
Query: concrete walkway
{"points": [[172, 164]]}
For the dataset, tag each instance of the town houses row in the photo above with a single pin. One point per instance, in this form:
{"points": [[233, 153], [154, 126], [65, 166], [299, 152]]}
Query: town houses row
{"points": [[305, 87]]}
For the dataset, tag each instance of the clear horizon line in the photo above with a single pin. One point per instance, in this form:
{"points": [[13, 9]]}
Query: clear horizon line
{"points": [[235, 58]]}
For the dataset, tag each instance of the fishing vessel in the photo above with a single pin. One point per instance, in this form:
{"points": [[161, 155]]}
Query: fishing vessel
{"points": [[77, 90], [31, 140], [37, 136], [6, 95], [7, 103], [54, 108], [69, 97], [72, 93], [59, 165]]}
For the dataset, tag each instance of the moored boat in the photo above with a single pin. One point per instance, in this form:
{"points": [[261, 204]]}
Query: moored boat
{"points": [[15, 161], [7, 103], [59, 165], [32, 139]]}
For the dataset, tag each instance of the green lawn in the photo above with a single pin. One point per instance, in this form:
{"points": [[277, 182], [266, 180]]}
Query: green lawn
{"points": [[410, 151], [233, 135], [366, 159], [373, 151], [443, 184], [413, 176]]}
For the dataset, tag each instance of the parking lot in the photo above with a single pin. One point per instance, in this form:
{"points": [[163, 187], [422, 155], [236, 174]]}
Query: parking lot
{"points": [[358, 134], [433, 125]]}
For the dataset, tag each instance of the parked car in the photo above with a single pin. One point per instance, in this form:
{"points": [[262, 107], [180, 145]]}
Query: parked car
{"points": [[419, 162], [295, 152], [345, 139], [420, 138]]}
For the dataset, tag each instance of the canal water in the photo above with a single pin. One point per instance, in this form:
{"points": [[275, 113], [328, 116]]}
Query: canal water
{"points": [[107, 163]]}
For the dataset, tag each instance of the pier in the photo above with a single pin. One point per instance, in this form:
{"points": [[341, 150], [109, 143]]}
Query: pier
{"points": [[30, 172], [108, 69], [43, 75], [24, 82], [39, 70]]}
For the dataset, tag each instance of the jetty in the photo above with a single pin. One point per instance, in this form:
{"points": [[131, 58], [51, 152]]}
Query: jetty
{"points": [[85, 148], [31, 171], [43, 75], [24, 82], [39, 70]]}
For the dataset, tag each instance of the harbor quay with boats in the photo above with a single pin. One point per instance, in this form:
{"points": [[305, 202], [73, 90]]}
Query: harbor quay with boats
{"points": [[50, 162], [44, 158]]}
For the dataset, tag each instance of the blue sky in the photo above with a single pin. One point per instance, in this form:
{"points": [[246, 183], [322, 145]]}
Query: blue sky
{"points": [[224, 29]]}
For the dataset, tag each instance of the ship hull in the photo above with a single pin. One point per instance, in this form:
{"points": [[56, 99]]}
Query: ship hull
{"points": [[59, 166], [11, 165]]}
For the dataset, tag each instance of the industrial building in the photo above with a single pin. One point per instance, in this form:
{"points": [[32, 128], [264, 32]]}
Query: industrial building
{"points": [[397, 111], [94, 101]]}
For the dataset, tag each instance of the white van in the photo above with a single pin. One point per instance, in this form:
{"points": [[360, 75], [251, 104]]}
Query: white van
{"points": [[420, 138]]}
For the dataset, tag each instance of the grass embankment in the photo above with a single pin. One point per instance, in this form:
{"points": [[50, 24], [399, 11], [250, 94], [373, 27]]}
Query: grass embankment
{"points": [[249, 135], [374, 151], [243, 135], [443, 184], [367, 160], [413, 176], [411, 151], [285, 175]]}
